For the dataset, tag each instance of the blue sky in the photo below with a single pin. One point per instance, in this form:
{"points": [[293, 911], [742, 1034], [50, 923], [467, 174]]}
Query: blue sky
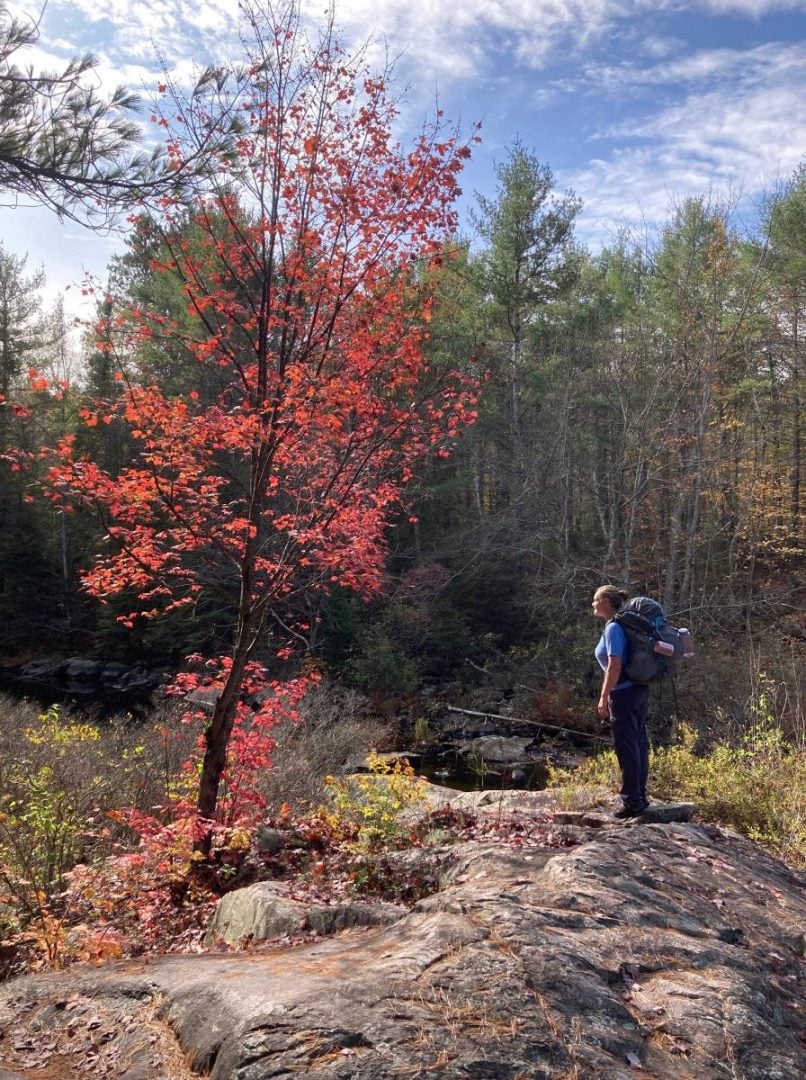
{"points": [[634, 104]]}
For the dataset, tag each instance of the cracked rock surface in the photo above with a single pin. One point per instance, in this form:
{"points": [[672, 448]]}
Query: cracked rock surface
{"points": [[672, 951]]}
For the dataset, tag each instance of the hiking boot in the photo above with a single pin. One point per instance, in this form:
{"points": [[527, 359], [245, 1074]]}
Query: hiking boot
{"points": [[630, 812]]}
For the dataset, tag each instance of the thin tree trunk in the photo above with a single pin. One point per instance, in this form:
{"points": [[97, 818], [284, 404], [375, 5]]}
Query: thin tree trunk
{"points": [[797, 435], [675, 519], [639, 486], [695, 471], [568, 489], [218, 732], [478, 481]]}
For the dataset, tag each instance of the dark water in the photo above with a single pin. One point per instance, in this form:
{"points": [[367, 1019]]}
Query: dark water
{"points": [[451, 770]]}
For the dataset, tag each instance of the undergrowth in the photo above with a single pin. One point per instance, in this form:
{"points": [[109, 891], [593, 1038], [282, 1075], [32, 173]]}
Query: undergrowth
{"points": [[97, 857]]}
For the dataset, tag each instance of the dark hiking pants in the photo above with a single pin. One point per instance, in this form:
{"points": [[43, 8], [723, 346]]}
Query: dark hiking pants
{"points": [[628, 713]]}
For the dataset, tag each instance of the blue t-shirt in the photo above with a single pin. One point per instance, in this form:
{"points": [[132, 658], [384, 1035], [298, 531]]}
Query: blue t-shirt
{"points": [[613, 642]]}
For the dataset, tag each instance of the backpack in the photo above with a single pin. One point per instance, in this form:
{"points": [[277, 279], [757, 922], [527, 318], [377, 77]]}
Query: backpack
{"points": [[644, 622]]}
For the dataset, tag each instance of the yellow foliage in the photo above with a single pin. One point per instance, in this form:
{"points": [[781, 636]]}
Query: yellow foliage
{"points": [[52, 729], [373, 803]]}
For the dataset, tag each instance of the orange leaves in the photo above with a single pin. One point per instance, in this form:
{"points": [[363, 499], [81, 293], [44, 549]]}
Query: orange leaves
{"points": [[36, 381], [92, 419]]}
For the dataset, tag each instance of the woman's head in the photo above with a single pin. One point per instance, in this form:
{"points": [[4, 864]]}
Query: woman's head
{"points": [[607, 600]]}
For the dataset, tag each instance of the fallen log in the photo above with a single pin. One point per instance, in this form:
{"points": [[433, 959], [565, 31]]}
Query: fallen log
{"points": [[531, 723]]}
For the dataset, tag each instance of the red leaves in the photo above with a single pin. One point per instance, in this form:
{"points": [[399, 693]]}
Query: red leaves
{"points": [[305, 310]]}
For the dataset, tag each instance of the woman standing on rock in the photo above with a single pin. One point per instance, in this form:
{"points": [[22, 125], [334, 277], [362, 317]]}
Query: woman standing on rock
{"points": [[625, 702]]}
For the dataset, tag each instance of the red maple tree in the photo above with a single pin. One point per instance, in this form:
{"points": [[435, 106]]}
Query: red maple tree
{"points": [[304, 267]]}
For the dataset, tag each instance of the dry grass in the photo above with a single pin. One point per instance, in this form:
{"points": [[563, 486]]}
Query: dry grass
{"points": [[336, 731]]}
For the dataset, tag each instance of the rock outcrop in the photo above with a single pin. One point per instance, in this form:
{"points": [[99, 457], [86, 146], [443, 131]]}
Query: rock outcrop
{"points": [[85, 680], [667, 951]]}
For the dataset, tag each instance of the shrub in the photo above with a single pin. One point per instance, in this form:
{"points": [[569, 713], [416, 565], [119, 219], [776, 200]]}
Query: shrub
{"points": [[373, 803], [141, 899], [61, 778], [756, 786], [381, 665], [47, 786], [734, 684], [96, 828]]}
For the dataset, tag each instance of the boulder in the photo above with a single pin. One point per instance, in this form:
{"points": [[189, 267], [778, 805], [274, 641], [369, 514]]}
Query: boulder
{"points": [[265, 910], [657, 813], [667, 951], [332, 918], [497, 749], [269, 841], [660, 813], [78, 670], [112, 672], [205, 698], [139, 680], [582, 817], [46, 669], [505, 801], [255, 913], [113, 685]]}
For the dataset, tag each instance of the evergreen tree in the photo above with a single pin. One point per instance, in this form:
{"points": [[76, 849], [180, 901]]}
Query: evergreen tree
{"points": [[60, 143], [22, 328]]}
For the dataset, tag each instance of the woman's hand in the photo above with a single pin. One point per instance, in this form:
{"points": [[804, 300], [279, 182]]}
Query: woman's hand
{"points": [[602, 708]]}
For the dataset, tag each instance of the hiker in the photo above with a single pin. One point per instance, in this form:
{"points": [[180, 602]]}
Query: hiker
{"points": [[625, 702]]}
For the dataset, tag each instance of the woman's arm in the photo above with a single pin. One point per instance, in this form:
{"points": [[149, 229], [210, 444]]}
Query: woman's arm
{"points": [[611, 677]]}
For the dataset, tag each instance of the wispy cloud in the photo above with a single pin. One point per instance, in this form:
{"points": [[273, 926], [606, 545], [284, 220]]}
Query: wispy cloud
{"points": [[690, 118], [731, 144], [754, 8], [461, 38], [773, 61], [657, 47]]}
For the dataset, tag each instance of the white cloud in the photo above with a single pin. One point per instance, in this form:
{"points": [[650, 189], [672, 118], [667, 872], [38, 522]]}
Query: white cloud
{"points": [[459, 37], [753, 8], [658, 48], [441, 39], [136, 25]]}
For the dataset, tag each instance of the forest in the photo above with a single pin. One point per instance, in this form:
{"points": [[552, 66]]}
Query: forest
{"points": [[325, 457], [639, 421]]}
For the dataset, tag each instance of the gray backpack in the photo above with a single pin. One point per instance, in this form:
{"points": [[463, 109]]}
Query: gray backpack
{"points": [[653, 643]]}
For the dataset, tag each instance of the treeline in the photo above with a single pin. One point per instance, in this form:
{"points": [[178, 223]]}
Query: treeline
{"points": [[640, 421]]}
